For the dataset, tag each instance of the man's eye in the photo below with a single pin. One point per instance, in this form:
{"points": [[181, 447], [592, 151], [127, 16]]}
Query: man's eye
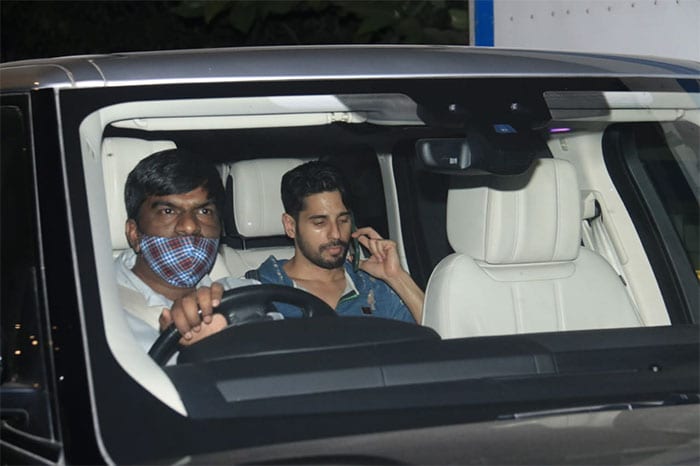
{"points": [[167, 210], [206, 211], [344, 220], [319, 223]]}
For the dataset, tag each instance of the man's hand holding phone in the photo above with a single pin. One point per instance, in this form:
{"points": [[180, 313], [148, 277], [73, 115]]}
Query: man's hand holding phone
{"points": [[384, 263]]}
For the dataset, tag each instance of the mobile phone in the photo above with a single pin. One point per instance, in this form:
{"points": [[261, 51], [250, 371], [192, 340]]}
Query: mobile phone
{"points": [[355, 245]]}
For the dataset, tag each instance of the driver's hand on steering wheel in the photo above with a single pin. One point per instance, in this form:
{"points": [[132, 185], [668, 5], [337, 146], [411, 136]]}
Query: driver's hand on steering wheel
{"points": [[193, 314]]}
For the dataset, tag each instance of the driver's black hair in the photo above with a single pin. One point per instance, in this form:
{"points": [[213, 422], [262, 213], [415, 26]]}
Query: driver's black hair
{"points": [[171, 171], [311, 178]]}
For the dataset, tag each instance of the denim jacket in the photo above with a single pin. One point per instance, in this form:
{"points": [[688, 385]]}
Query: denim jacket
{"points": [[364, 295]]}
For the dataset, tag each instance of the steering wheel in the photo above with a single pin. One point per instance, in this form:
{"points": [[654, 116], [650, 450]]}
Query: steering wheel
{"points": [[244, 305]]}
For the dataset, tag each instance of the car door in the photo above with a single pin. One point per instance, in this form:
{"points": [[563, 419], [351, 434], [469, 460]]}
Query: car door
{"points": [[29, 432], [45, 403]]}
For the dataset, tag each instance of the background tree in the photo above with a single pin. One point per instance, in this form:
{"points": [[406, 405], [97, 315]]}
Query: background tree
{"points": [[328, 22], [32, 29]]}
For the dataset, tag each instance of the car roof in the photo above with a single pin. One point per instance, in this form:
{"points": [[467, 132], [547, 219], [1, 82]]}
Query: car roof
{"points": [[327, 62]]}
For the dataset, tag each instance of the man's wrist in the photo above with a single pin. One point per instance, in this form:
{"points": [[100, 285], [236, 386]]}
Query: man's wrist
{"points": [[399, 278]]}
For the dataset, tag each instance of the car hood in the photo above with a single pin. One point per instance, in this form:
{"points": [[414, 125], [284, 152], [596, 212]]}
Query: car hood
{"points": [[626, 435]]}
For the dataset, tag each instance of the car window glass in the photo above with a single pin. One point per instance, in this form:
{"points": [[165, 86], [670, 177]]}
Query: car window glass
{"points": [[673, 166], [23, 373]]}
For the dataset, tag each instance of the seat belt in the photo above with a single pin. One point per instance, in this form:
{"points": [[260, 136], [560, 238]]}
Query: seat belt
{"points": [[253, 274], [596, 238]]}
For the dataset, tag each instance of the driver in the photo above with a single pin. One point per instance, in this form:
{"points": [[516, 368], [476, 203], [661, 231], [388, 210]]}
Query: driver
{"points": [[173, 200], [319, 220]]}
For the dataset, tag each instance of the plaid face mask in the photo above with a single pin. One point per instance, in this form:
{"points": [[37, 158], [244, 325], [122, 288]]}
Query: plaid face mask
{"points": [[181, 261]]}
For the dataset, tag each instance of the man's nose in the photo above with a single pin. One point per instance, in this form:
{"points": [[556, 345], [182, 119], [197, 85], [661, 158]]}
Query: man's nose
{"points": [[187, 224], [334, 232]]}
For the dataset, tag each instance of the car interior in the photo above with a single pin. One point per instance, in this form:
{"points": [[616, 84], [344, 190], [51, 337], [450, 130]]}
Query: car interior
{"points": [[516, 219]]}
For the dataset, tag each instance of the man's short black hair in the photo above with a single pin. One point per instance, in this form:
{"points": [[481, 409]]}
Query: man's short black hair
{"points": [[311, 178], [171, 171]]}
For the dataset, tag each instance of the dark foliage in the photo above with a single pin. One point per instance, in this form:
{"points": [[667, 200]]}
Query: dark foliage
{"points": [[34, 29]]}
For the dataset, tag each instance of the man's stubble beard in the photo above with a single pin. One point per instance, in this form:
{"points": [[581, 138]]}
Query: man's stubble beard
{"points": [[316, 257]]}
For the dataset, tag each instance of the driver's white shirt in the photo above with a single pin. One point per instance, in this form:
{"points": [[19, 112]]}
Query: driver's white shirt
{"points": [[145, 330]]}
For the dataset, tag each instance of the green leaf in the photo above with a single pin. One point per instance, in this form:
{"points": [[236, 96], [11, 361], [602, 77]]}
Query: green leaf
{"points": [[321, 5], [443, 36], [414, 8], [213, 9], [279, 7], [376, 23], [242, 17], [368, 10], [189, 9], [410, 30], [459, 19]]}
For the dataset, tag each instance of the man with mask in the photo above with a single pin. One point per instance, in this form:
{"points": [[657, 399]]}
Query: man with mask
{"points": [[318, 217], [173, 200]]}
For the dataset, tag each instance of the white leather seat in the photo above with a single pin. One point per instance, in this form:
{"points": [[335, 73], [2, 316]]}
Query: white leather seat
{"points": [[119, 157], [518, 265], [257, 214]]}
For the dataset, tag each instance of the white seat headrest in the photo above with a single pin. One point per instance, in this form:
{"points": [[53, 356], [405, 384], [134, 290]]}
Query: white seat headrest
{"points": [[534, 217], [257, 201], [119, 157]]}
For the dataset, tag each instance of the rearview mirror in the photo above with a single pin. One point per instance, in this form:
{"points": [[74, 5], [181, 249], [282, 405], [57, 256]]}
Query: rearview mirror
{"points": [[503, 152]]}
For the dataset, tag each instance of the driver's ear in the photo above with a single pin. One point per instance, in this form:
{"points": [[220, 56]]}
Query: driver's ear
{"points": [[289, 225], [132, 235]]}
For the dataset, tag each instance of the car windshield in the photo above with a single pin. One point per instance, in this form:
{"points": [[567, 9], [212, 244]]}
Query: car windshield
{"points": [[379, 140]]}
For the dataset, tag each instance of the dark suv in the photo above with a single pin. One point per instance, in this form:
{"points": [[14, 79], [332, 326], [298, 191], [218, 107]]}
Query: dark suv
{"points": [[546, 202]]}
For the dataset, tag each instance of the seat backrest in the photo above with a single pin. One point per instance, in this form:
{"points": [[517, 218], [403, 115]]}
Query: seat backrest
{"points": [[518, 265], [119, 157], [255, 229]]}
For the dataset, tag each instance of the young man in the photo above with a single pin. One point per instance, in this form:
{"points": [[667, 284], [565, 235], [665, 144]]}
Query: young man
{"points": [[173, 200], [318, 217]]}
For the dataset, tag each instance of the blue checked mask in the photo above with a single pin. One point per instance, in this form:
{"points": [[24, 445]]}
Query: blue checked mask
{"points": [[181, 261]]}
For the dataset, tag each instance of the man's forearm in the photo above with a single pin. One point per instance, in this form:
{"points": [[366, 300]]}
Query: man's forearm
{"points": [[410, 293]]}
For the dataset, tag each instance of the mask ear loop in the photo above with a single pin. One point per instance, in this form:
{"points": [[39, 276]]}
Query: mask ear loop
{"points": [[355, 245]]}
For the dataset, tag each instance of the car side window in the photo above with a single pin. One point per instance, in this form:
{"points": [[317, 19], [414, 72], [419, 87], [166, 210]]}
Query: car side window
{"points": [[23, 379], [656, 166], [667, 156]]}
